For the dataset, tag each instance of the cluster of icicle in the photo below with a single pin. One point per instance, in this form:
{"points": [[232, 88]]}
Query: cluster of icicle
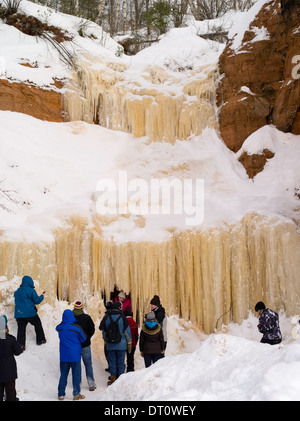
{"points": [[163, 109], [199, 275]]}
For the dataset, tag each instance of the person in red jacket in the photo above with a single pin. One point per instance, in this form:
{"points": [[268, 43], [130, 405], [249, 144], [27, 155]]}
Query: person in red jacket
{"points": [[134, 335]]}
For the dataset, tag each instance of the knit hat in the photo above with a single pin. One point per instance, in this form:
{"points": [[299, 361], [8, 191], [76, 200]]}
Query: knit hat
{"points": [[78, 305], [117, 305], [127, 312], [150, 317], [108, 305], [122, 295], [260, 306], [155, 301]]}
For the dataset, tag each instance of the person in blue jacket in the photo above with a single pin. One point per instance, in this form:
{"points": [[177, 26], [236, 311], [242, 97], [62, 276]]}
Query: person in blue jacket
{"points": [[71, 335], [116, 351], [26, 299]]}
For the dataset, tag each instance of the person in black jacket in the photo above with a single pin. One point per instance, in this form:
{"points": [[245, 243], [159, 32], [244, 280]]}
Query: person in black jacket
{"points": [[87, 324], [160, 316], [151, 340], [9, 347]]}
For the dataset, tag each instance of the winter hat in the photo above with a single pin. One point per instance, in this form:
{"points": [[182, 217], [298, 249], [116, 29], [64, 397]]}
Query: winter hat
{"points": [[155, 301], [260, 306], [117, 305], [128, 312], [122, 295], [78, 305], [108, 305], [150, 317]]}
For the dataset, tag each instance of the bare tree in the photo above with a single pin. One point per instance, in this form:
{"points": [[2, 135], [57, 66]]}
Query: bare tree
{"points": [[12, 6], [8, 196]]}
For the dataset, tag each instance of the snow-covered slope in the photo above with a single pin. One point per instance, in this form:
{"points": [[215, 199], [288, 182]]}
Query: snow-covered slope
{"points": [[53, 170]]}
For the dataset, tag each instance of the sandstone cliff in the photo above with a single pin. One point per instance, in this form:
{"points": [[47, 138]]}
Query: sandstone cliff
{"points": [[260, 83], [43, 103]]}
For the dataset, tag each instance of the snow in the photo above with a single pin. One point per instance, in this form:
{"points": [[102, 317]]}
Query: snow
{"points": [[53, 169], [53, 179], [240, 26]]}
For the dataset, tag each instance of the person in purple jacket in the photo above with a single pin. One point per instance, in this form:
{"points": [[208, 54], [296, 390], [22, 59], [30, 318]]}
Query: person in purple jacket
{"points": [[268, 324]]}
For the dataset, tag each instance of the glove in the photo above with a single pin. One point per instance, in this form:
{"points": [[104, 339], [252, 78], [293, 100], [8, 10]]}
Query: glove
{"points": [[129, 347]]}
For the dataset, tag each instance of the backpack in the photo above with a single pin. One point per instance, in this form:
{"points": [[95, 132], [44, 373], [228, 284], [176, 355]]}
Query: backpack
{"points": [[113, 334]]}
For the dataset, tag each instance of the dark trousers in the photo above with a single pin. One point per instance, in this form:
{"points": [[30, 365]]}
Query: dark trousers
{"points": [[270, 341], [36, 322], [130, 360], [151, 359], [116, 362], [10, 391]]}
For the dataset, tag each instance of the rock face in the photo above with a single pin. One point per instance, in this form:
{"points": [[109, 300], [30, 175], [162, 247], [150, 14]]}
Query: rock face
{"points": [[260, 81], [45, 104]]}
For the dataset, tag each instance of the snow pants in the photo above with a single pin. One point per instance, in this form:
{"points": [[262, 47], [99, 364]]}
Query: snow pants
{"points": [[39, 331], [151, 359]]}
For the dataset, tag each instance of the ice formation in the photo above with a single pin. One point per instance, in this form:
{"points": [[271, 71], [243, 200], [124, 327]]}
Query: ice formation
{"points": [[199, 275], [164, 108]]}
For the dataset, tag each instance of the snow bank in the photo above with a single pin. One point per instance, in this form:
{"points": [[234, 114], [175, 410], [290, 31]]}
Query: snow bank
{"points": [[54, 169]]}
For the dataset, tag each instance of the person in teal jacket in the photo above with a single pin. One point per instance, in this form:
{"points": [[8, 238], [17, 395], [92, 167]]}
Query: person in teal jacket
{"points": [[26, 299]]}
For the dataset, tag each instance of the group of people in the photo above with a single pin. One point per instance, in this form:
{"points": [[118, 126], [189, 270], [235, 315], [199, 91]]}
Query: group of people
{"points": [[120, 333], [118, 320]]}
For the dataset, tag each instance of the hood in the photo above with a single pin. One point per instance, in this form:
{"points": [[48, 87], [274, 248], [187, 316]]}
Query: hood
{"points": [[68, 317], [27, 282]]}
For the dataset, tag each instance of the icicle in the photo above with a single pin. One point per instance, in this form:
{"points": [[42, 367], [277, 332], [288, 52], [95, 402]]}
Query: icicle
{"points": [[100, 93]]}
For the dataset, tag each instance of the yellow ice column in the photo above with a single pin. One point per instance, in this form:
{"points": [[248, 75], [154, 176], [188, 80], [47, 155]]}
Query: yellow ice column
{"points": [[38, 260], [200, 275]]}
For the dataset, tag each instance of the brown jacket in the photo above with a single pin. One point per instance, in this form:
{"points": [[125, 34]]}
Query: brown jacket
{"points": [[151, 339]]}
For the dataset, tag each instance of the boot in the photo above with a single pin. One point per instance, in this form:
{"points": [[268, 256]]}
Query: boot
{"points": [[111, 380], [77, 398]]}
